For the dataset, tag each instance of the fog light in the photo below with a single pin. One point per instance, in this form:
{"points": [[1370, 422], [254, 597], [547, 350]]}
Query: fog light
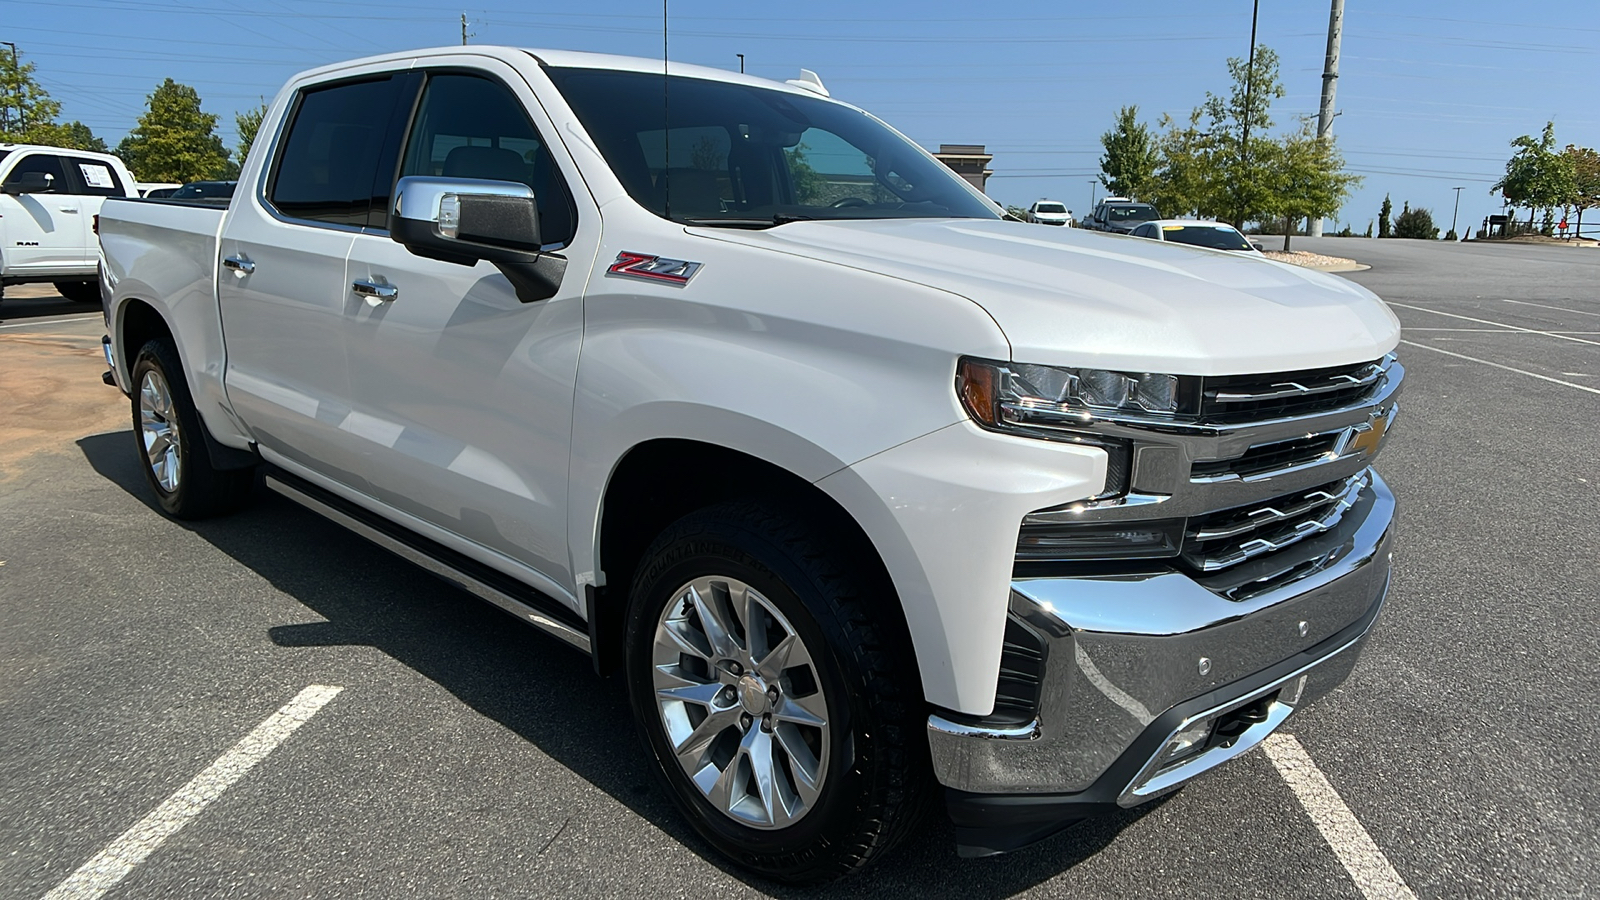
{"points": [[1099, 540], [1187, 742]]}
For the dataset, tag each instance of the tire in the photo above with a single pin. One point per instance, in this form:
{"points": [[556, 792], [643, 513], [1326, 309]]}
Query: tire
{"points": [[79, 291], [850, 665], [172, 449]]}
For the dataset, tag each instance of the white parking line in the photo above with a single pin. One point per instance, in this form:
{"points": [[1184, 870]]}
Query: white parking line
{"points": [[1367, 865], [1497, 324], [1556, 308], [112, 864], [1491, 330], [37, 322], [1581, 387]]}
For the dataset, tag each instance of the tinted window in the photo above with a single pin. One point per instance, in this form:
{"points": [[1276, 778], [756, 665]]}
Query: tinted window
{"points": [[49, 165], [95, 177], [1138, 212], [329, 162], [203, 190], [1056, 208], [472, 127], [1206, 236], [737, 154]]}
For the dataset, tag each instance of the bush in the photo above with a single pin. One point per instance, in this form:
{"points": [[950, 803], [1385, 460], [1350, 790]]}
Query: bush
{"points": [[1451, 235], [1345, 232], [1416, 224]]}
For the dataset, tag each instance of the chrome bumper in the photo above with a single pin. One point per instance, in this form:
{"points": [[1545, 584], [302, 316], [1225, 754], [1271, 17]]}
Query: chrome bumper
{"points": [[1131, 660]]}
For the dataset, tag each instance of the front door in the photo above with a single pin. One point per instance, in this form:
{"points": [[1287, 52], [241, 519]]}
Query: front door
{"points": [[467, 390], [44, 233]]}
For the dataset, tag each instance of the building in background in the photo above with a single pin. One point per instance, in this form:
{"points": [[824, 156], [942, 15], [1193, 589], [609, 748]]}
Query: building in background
{"points": [[967, 160]]}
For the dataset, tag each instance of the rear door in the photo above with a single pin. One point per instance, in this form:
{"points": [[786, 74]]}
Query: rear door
{"points": [[44, 232], [467, 390], [92, 182], [281, 285]]}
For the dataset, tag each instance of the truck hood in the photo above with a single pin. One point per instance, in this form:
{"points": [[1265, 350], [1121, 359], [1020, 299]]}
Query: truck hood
{"points": [[1065, 296]]}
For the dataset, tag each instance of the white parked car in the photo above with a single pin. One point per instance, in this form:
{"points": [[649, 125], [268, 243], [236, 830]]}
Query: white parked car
{"points": [[864, 491], [1049, 212], [48, 200], [1196, 233]]}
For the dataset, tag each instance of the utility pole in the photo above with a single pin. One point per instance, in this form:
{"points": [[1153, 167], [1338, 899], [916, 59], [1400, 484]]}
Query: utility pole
{"points": [[1249, 90], [464, 34], [1457, 209], [5, 111], [1093, 184], [741, 62], [1330, 83]]}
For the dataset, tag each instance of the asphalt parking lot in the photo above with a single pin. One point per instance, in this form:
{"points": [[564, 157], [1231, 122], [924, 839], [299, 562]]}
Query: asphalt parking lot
{"points": [[466, 755]]}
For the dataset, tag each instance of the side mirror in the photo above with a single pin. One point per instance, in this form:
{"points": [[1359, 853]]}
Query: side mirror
{"points": [[464, 220], [28, 183]]}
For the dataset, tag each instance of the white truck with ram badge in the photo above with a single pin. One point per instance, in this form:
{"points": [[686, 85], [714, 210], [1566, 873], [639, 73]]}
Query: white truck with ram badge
{"points": [[862, 488]]}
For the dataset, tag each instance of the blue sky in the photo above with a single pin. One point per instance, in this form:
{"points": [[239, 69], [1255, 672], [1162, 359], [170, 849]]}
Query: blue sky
{"points": [[1429, 92]]}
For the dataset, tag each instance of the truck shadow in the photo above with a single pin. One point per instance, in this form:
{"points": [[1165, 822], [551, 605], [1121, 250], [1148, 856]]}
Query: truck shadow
{"points": [[491, 663]]}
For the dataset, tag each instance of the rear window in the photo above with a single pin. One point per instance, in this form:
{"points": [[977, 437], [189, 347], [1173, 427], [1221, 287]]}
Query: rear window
{"points": [[1211, 236], [329, 160]]}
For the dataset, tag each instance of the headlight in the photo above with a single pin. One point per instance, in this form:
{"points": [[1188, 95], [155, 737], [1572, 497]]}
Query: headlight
{"points": [[1015, 396]]}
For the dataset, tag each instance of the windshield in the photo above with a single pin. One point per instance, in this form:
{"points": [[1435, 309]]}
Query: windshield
{"points": [[1138, 212], [1213, 236], [1050, 208], [733, 154]]}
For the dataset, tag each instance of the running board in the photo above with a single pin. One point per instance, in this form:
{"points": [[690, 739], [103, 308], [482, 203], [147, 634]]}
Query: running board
{"points": [[471, 576]]}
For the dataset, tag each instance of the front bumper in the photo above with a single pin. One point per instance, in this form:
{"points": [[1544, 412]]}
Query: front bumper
{"points": [[1132, 660]]}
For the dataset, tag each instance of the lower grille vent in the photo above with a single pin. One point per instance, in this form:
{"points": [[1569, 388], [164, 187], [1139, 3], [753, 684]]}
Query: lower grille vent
{"points": [[1227, 538]]}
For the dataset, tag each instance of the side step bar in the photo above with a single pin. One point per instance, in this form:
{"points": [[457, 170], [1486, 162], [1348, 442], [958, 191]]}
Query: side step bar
{"points": [[468, 574]]}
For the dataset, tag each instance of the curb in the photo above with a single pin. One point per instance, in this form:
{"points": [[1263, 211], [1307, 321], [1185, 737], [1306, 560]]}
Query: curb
{"points": [[1341, 267]]}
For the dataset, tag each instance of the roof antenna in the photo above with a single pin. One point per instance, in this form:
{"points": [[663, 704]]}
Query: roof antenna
{"points": [[666, 124]]}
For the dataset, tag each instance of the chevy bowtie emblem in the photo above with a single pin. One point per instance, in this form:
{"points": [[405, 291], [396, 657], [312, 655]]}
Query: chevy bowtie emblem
{"points": [[653, 268], [1364, 439]]}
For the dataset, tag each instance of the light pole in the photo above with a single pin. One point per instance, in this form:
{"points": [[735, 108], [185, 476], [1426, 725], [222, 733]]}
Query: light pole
{"points": [[1457, 210], [1093, 184], [741, 62], [1244, 140]]}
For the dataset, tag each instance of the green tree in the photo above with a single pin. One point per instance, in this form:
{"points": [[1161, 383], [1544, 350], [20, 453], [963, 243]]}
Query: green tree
{"points": [[1246, 168], [28, 114], [174, 140], [1585, 165], [1186, 181], [1416, 224], [1130, 159], [1537, 175], [1307, 179], [248, 124], [1384, 213], [808, 184]]}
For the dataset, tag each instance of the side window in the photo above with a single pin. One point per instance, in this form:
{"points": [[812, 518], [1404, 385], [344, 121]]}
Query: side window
{"points": [[48, 164], [329, 162], [95, 178], [468, 126]]}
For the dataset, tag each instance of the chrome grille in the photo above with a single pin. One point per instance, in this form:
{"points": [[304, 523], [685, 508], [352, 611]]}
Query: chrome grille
{"points": [[1218, 540], [1275, 458], [1253, 398]]}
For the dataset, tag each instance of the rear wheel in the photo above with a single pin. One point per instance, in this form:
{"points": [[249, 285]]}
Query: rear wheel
{"points": [[774, 695], [171, 443], [79, 291]]}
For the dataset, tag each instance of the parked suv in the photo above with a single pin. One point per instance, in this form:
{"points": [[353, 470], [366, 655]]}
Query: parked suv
{"points": [[1121, 216], [48, 200], [864, 490], [1049, 212]]}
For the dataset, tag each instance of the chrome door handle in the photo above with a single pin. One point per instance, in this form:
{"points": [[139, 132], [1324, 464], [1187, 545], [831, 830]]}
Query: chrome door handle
{"points": [[239, 264], [375, 289]]}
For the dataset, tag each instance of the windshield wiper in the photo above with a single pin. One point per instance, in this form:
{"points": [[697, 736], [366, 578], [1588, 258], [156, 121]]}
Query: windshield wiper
{"points": [[747, 221]]}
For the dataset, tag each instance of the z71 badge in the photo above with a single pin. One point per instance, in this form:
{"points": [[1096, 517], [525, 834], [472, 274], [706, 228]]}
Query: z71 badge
{"points": [[653, 268]]}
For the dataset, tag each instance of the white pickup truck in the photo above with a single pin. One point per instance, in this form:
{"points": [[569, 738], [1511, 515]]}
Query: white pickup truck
{"points": [[48, 200], [862, 488]]}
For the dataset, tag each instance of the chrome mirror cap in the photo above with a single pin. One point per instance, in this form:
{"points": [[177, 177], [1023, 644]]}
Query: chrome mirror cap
{"points": [[420, 197]]}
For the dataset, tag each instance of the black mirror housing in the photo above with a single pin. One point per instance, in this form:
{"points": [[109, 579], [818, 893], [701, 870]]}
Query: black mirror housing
{"points": [[28, 183]]}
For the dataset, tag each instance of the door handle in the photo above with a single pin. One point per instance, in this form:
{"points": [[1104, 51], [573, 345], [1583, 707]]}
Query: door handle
{"points": [[68, 209], [239, 264], [375, 289]]}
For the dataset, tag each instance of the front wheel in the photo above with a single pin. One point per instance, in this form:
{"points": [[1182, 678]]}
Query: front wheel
{"points": [[774, 693], [171, 445]]}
